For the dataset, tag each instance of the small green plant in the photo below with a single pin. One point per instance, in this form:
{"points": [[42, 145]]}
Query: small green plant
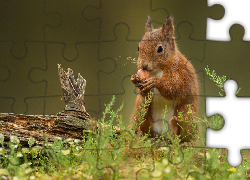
{"points": [[142, 112], [216, 122], [218, 80], [106, 155]]}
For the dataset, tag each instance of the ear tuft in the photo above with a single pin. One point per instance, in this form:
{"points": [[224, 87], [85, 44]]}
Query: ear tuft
{"points": [[168, 27], [149, 25]]}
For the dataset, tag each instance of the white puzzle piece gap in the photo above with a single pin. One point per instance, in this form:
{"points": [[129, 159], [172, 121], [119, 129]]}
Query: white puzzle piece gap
{"points": [[236, 12], [235, 133]]}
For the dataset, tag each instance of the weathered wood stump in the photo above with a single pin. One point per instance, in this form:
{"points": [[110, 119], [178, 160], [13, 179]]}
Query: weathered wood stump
{"points": [[70, 123]]}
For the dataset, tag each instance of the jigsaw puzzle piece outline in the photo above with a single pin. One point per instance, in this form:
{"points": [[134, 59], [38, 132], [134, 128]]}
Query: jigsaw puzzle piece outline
{"points": [[195, 60], [195, 124], [19, 49], [199, 130], [186, 44], [22, 55], [218, 30], [228, 59], [113, 50], [66, 33], [191, 14], [203, 164], [130, 148], [19, 77], [225, 138], [121, 74], [2, 78], [177, 108], [49, 66], [120, 97], [197, 161], [8, 102], [106, 28], [185, 48], [184, 33], [65, 45], [185, 30]]}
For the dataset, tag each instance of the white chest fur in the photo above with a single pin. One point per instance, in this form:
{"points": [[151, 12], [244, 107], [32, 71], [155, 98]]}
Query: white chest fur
{"points": [[158, 105]]}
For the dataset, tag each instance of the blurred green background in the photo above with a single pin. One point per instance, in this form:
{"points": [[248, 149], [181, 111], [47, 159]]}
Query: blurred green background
{"points": [[97, 39]]}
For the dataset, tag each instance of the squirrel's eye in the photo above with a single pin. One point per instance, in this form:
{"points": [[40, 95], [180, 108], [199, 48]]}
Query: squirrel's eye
{"points": [[159, 49]]}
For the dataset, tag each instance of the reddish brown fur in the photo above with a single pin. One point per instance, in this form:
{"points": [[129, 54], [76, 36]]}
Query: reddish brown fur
{"points": [[179, 80]]}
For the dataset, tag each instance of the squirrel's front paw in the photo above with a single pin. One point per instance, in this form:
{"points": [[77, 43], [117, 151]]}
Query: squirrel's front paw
{"points": [[135, 79], [146, 85]]}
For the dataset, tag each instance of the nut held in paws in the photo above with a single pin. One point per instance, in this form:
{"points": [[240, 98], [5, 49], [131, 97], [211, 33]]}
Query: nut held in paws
{"points": [[143, 74]]}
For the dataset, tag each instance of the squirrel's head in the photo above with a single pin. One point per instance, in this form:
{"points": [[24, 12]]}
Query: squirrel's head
{"points": [[157, 46]]}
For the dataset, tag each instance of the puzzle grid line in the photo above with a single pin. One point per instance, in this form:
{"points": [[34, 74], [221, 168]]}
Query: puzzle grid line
{"points": [[47, 45]]}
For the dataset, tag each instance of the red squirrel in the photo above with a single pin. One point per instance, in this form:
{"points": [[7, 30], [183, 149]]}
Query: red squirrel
{"points": [[163, 70]]}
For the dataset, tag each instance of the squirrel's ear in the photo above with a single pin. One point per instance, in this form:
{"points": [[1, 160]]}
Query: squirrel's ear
{"points": [[168, 27], [149, 25]]}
